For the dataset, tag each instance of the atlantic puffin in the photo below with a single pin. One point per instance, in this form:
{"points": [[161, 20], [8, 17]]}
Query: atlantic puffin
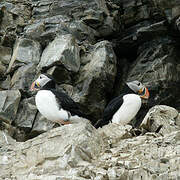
{"points": [[122, 109], [54, 105]]}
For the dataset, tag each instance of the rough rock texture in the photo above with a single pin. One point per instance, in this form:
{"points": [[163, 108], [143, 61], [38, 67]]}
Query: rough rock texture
{"points": [[91, 47], [97, 78], [79, 151], [161, 119], [9, 105], [56, 152], [63, 50], [25, 51]]}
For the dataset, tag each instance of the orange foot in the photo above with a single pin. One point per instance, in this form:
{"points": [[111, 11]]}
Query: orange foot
{"points": [[62, 122]]}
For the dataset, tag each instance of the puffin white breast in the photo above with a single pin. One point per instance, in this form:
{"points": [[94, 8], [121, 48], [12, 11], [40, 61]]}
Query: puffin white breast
{"points": [[47, 105], [128, 110]]}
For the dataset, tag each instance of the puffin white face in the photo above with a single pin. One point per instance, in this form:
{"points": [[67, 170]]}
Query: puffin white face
{"points": [[40, 82], [139, 88]]}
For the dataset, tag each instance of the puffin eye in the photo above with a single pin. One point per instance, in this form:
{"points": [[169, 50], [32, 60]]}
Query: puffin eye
{"points": [[139, 84], [40, 77]]}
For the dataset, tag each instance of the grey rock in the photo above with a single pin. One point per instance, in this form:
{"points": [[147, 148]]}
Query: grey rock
{"points": [[113, 133], [158, 68], [60, 74], [45, 30], [14, 14], [68, 53], [170, 9], [6, 83], [40, 125], [178, 120], [5, 139], [2, 69], [82, 32], [23, 77], [65, 148], [25, 51], [160, 119], [5, 54], [26, 114], [9, 105], [97, 78]]}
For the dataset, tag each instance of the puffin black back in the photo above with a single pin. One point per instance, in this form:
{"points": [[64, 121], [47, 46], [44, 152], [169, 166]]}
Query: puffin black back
{"points": [[127, 90]]}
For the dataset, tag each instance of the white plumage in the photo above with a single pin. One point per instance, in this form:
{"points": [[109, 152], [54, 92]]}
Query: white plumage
{"points": [[48, 106], [128, 110]]}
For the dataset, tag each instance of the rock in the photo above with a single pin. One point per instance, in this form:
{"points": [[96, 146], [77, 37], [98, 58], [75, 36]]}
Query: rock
{"points": [[135, 11], [113, 133], [170, 9], [68, 53], [5, 83], [82, 32], [26, 114], [23, 77], [5, 139], [60, 74], [25, 51], [9, 105], [160, 119], [5, 55], [45, 30], [178, 120], [97, 78], [158, 68], [61, 150], [40, 125], [2, 69]]}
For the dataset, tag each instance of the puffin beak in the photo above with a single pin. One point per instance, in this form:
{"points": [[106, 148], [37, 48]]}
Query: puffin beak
{"points": [[35, 85], [144, 93]]}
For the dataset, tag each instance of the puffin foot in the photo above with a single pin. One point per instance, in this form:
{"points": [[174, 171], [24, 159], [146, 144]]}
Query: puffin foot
{"points": [[62, 122]]}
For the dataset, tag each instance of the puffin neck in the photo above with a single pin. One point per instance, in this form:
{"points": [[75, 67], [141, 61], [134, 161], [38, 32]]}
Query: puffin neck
{"points": [[127, 90], [49, 85]]}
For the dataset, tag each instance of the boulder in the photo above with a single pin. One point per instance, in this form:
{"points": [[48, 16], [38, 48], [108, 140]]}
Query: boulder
{"points": [[2, 69], [67, 54], [14, 14], [5, 84], [26, 114], [9, 105], [58, 153], [40, 125], [96, 78], [80, 152], [113, 133], [23, 77], [178, 120], [161, 119], [45, 30], [157, 66], [170, 9], [25, 51], [5, 55], [5, 139], [144, 157]]}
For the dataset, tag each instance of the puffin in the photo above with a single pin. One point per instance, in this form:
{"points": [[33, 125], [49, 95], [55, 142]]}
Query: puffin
{"points": [[122, 109], [54, 105]]}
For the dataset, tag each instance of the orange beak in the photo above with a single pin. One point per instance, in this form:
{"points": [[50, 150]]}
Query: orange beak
{"points": [[35, 85], [144, 93]]}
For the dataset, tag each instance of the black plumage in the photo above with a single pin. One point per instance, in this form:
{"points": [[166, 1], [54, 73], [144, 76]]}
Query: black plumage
{"points": [[113, 106], [67, 103]]}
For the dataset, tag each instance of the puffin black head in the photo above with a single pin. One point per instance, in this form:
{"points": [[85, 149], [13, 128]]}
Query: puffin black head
{"points": [[139, 89], [44, 81]]}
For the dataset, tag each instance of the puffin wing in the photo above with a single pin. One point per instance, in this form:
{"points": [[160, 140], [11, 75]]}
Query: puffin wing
{"points": [[111, 108], [66, 102]]}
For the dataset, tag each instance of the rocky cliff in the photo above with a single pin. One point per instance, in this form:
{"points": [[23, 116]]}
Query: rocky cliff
{"points": [[90, 47]]}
